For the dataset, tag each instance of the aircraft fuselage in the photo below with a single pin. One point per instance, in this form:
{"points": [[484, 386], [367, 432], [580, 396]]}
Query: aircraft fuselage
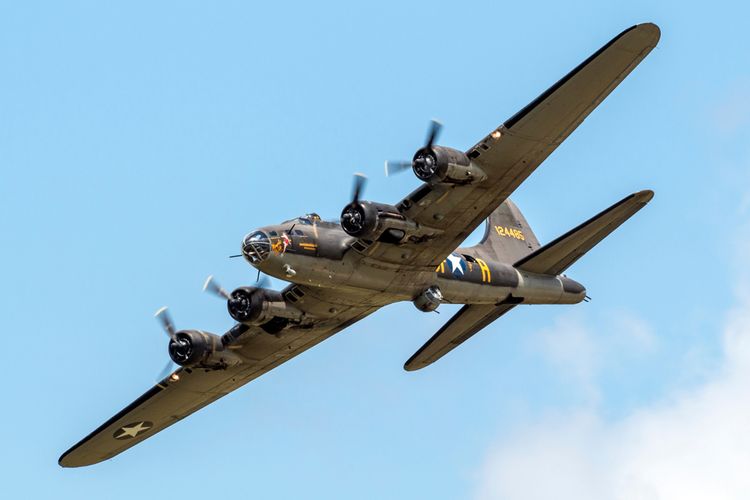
{"points": [[323, 255]]}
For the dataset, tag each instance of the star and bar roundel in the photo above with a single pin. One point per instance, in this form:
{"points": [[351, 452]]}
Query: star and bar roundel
{"points": [[455, 264], [130, 431]]}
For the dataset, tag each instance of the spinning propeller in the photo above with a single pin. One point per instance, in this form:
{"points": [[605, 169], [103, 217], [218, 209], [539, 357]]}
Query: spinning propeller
{"points": [[213, 286], [179, 345], [360, 180], [421, 160], [243, 302], [353, 216]]}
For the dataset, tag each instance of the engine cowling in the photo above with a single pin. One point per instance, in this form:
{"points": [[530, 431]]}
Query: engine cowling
{"points": [[259, 306], [436, 164], [360, 219], [198, 348], [369, 220], [245, 304]]}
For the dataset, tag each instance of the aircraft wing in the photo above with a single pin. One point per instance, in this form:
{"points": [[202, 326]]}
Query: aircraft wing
{"points": [[172, 400], [509, 154]]}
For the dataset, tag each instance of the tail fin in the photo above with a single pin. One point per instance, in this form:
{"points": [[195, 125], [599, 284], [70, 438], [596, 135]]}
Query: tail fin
{"points": [[507, 236], [556, 256]]}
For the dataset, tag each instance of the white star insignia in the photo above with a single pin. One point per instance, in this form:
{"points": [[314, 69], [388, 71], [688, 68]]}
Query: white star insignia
{"points": [[455, 262], [132, 430]]}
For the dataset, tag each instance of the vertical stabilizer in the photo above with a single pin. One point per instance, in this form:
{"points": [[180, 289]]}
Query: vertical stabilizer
{"points": [[507, 236]]}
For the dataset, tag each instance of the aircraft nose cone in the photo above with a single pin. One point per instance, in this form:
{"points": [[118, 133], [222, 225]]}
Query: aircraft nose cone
{"points": [[256, 247]]}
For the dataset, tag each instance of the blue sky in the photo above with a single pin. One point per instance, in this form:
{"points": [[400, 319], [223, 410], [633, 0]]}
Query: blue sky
{"points": [[140, 142]]}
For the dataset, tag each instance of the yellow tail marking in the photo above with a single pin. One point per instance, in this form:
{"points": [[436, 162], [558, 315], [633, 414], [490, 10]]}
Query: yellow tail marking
{"points": [[510, 232], [486, 276]]}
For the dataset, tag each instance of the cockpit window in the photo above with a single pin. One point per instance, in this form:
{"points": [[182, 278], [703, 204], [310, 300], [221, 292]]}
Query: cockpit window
{"points": [[309, 219]]}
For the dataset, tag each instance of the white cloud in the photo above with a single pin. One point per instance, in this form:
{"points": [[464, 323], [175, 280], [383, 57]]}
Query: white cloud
{"points": [[578, 353], [570, 347], [693, 444]]}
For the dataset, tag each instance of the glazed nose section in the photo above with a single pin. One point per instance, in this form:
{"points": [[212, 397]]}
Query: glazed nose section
{"points": [[256, 247]]}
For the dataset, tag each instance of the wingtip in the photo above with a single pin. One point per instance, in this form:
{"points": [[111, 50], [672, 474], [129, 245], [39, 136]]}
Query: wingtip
{"points": [[65, 463], [412, 366], [651, 29], [646, 195], [72, 460]]}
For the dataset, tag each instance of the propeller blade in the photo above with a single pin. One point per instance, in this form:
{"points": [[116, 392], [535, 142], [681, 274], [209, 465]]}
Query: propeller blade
{"points": [[166, 322], [434, 132], [396, 167], [212, 286], [166, 371], [262, 281], [359, 183]]}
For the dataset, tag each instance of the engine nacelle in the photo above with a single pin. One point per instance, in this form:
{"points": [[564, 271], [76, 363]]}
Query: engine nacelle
{"points": [[203, 349], [438, 164], [258, 306], [369, 220], [245, 304]]}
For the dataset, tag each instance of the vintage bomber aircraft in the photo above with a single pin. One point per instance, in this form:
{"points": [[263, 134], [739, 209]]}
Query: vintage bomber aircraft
{"points": [[379, 254]]}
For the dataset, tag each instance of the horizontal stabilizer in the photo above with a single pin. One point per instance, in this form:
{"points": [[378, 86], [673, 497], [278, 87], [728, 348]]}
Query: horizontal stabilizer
{"points": [[553, 258], [465, 323], [556, 256]]}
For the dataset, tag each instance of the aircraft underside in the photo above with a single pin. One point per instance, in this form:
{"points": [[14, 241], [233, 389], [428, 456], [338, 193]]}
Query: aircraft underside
{"points": [[380, 253]]}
